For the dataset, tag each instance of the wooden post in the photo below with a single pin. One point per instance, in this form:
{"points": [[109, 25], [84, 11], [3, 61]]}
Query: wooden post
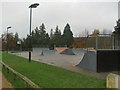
{"points": [[26, 85], [14, 78], [3, 66], [7, 70]]}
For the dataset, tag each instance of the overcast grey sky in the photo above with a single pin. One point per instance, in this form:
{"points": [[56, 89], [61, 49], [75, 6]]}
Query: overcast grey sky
{"points": [[80, 16]]}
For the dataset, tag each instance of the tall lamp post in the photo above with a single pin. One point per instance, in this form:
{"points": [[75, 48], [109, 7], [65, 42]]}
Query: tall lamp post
{"points": [[7, 37], [31, 6]]}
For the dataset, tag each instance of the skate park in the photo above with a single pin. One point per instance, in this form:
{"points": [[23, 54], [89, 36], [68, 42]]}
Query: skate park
{"points": [[58, 49], [55, 57], [96, 59]]}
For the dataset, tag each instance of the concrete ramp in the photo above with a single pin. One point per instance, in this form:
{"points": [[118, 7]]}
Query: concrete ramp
{"points": [[60, 49], [89, 61], [68, 52], [39, 50], [44, 51], [78, 51]]}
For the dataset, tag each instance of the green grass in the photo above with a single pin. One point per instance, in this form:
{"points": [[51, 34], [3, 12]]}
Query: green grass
{"points": [[10, 77], [0, 61], [47, 76]]}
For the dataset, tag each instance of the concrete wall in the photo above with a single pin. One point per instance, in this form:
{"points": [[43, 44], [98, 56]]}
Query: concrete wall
{"points": [[44, 51], [101, 61], [113, 81], [108, 60], [39, 50]]}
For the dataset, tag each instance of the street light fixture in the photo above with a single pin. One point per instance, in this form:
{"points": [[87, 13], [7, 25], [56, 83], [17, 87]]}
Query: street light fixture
{"points": [[7, 37], [31, 6]]}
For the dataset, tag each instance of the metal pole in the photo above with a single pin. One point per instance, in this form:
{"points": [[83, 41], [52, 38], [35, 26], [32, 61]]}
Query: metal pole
{"points": [[96, 42], [87, 42], [113, 41], [7, 37], [30, 34], [30, 19], [7, 40]]}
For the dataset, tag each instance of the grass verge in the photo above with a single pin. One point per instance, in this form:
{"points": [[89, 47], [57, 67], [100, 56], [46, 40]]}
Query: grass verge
{"points": [[16, 82], [47, 76]]}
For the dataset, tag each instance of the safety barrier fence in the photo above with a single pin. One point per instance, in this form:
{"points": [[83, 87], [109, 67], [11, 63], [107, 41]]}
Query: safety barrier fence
{"points": [[16, 74]]}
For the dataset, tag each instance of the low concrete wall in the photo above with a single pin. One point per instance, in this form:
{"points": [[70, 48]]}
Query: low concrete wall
{"points": [[113, 81]]}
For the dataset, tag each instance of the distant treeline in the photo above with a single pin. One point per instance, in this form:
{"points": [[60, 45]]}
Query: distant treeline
{"points": [[40, 38]]}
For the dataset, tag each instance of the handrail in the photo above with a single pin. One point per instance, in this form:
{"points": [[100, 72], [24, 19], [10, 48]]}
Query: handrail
{"points": [[32, 84]]}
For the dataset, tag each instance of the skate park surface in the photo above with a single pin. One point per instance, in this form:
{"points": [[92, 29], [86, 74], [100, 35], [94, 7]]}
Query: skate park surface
{"points": [[55, 58], [69, 62]]}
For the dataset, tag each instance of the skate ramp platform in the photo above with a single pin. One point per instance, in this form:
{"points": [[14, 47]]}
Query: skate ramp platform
{"points": [[40, 49], [101, 61], [44, 51], [74, 51], [60, 49], [79, 51], [67, 52], [89, 61]]}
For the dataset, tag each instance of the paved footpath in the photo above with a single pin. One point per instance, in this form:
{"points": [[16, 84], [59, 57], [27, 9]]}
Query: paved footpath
{"points": [[4, 82]]}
